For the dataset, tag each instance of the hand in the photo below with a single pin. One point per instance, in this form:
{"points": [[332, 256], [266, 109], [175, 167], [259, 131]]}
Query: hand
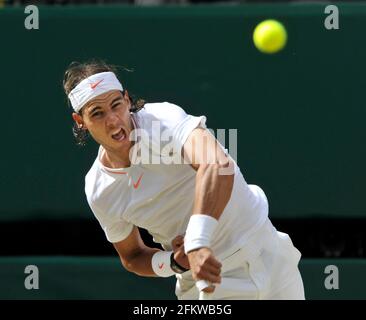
{"points": [[205, 266], [179, 255]]}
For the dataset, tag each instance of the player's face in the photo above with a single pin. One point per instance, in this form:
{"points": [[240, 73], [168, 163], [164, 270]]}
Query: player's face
{"points": [[107, 118]]}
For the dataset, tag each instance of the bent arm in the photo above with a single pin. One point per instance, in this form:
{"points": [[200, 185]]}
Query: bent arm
{"points": [[135, 256]]}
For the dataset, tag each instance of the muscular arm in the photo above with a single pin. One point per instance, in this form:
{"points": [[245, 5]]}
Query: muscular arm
{"points": [[215, 174], [135, 255], [214, 184]]}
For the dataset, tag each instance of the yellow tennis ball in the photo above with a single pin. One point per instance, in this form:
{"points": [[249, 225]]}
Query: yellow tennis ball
{"points": [[270, 36]]}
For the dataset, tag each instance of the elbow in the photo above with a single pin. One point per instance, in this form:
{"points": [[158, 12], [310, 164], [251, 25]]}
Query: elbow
{"points": [[129, 265]]}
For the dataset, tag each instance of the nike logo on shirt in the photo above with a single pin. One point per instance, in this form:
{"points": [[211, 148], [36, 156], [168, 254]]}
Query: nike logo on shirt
{"points": [[137, 184]]}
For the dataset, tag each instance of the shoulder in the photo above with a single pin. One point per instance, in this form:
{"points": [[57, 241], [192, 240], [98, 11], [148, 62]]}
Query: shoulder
{"points": [[172, 122], [92, 178], [102, 185], [107, 194], [97, 183], [166, 113]]}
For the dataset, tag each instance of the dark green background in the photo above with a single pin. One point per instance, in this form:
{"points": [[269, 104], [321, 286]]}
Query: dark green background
{"points": [[104, 278]]}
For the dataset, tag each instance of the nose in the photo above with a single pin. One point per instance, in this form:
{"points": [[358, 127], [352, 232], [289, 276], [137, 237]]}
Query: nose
{"points": [[111, 120]]}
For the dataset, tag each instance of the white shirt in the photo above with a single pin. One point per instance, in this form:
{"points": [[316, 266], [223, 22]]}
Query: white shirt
{"points": [[160, 197]]}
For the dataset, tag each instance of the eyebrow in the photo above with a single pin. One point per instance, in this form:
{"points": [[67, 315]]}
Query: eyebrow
{"points": [[116, 99], [93, 109], [96, 107]]}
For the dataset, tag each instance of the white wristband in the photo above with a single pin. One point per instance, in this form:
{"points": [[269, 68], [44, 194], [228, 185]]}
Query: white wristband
{"points": [[160, 263], [199, 231]]}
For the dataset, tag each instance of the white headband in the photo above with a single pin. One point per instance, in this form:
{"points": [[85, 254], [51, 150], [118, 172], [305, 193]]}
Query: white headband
{"points": [[93, 86]]}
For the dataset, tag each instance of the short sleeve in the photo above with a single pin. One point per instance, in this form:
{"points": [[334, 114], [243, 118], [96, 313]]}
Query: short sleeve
{"points": [[175, 124], [115, 231], [182, 131]]}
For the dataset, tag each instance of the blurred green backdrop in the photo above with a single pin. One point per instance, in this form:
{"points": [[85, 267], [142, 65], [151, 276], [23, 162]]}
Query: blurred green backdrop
{"points": [[104, 278]]}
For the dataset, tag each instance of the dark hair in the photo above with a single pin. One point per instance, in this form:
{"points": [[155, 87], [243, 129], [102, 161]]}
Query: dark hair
{"points": [[75, 73]]}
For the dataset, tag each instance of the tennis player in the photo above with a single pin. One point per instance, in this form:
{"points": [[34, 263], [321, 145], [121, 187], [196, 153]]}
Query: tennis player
{"points": [[160, 169]]}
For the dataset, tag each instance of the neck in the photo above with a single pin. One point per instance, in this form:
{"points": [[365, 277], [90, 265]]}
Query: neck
{"points": [[114, 159]]}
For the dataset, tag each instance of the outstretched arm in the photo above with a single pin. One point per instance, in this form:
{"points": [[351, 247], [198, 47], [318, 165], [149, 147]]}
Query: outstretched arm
{"points": [[214, 184]]}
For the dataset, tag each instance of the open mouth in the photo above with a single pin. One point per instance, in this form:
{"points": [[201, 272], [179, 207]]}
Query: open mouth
{"points": [[120, 135]]}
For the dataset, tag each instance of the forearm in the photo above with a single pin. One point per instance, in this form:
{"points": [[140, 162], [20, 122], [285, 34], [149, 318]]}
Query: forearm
{"points": [[138, 258], [212, 193], [213, 190], [140, 262], [214, 185]]}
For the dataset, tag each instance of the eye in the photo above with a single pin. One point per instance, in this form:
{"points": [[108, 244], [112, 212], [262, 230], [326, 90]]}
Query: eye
{"points": [[96, 114], [116, 105]]}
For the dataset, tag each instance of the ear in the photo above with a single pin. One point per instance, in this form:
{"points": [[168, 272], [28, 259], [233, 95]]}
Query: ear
{"points": [[78, 119], [126, 96]]}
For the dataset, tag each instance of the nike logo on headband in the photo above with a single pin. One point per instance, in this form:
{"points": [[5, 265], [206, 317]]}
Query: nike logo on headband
{"points": [[94, 85]]}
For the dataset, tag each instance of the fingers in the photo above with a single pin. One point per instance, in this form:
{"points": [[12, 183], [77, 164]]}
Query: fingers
{"points": [[208, 273], [205, 266], [215, 263], [212, 278], [209, 289], [213, 270]]}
